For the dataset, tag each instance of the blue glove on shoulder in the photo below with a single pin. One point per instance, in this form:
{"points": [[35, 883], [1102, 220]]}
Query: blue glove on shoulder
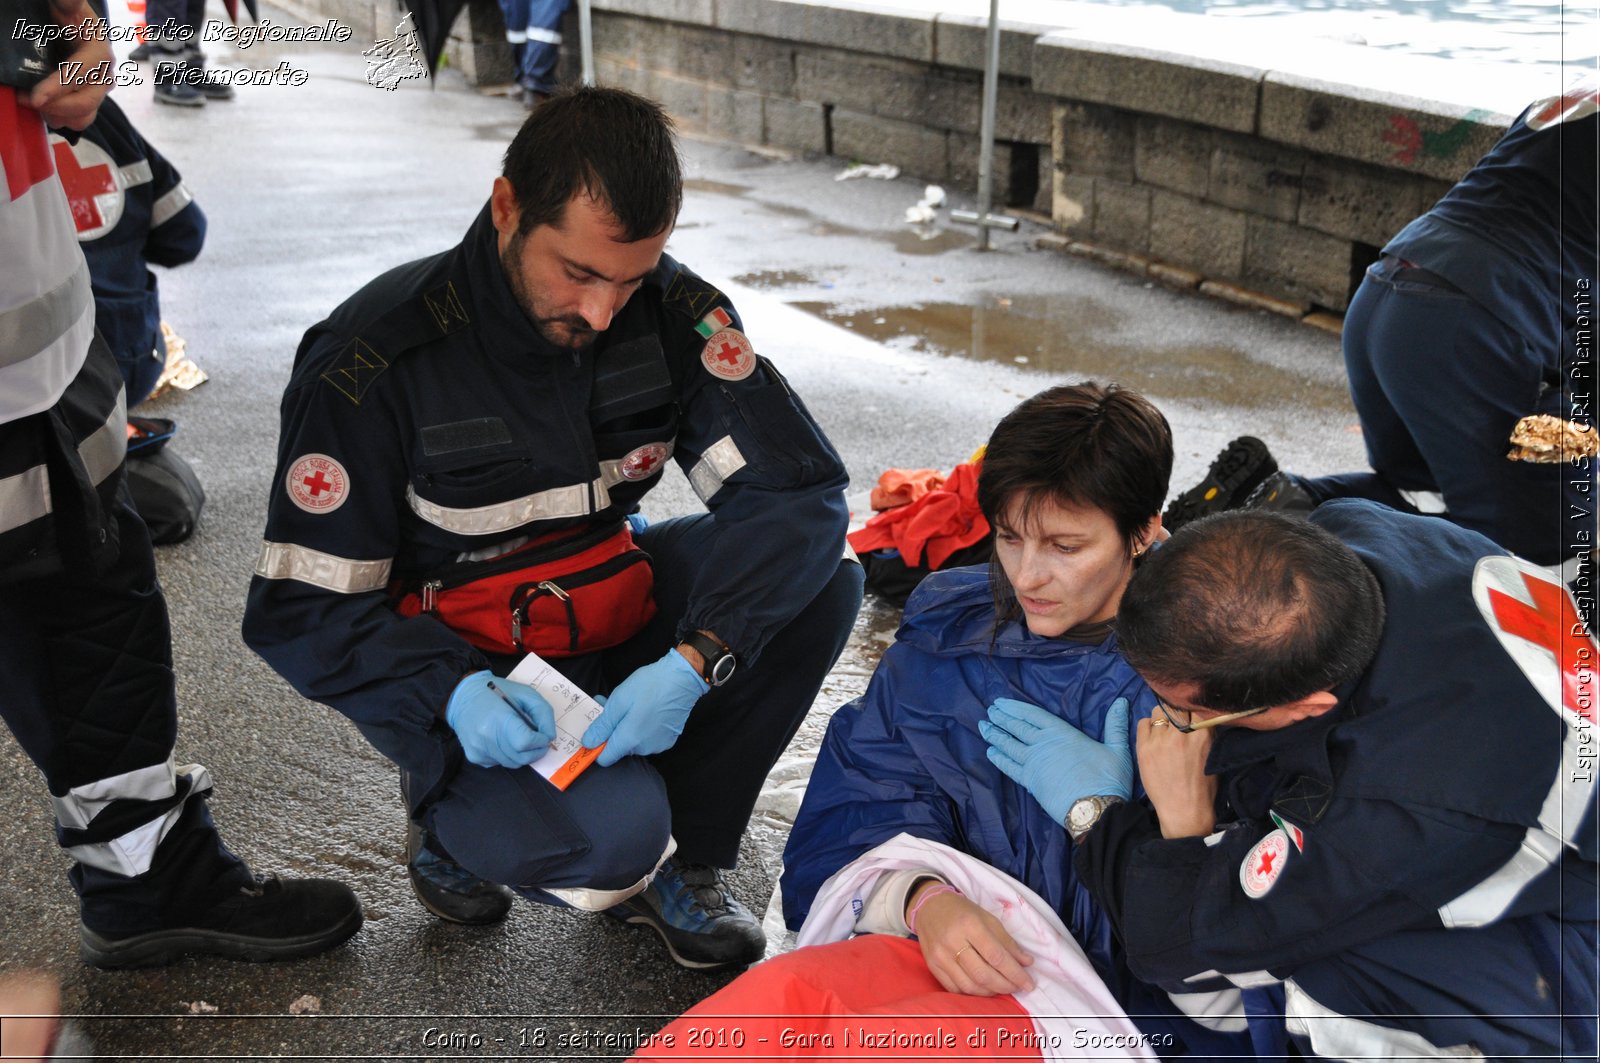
{"points": [[647, 711], [500, 723], [1053, 760]]}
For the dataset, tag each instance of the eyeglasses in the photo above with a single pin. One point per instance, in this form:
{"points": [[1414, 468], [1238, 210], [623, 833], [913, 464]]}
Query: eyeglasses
{"points": [[1209, 722]]}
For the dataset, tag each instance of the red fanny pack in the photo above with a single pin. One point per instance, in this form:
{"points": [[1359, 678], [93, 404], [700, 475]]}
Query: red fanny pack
{"points": [[559, 596]]}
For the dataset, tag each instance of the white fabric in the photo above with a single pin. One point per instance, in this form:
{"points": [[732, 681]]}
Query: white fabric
{"points": [[39, 220], [1335, 1036], [1068, 1003]]}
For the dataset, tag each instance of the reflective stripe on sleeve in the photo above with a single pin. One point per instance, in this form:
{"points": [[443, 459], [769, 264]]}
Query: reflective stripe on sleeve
{"points": [[168, 206], [539, 33], [25, 497], [104, 448], [721, 460], [553, 504], [328, 571], [1335, 1036], [137, 173]]}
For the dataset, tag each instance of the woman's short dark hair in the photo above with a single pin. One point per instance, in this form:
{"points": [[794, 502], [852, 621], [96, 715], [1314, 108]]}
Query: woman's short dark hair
{"points": [[1254, 608], [1082, 444], [612, 145]]}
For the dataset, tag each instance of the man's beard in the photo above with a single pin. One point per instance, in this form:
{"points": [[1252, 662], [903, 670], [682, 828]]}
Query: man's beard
{"points": [[569, 331]]}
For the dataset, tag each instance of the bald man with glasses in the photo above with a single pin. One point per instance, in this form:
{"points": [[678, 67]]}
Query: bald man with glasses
{"points": [[1370, 825]]}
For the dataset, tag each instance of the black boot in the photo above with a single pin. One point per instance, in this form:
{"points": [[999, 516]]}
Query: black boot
{"points": [[270, 919]]}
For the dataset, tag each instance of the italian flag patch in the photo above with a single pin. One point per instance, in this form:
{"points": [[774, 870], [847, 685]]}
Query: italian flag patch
{"points": [[1295, 834], [714, 322]]}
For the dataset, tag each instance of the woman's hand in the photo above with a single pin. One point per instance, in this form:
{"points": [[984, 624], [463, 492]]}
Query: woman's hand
{"points": [[1172, 766], [71, 96], [968, 950]]}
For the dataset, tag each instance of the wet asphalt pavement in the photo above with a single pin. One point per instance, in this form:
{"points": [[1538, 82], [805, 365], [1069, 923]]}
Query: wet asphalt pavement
{"points": [[907, 345]]}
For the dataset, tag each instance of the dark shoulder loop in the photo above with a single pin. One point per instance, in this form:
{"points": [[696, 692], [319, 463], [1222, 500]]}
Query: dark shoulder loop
{"points": [[421, 319]]}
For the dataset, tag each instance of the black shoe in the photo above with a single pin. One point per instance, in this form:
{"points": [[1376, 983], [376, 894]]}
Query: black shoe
{"points": [[449, 890], [1234, 473], [1280, 492], [179, 94], [212, 84], [141, 54], [704, 926], [271, 919]]}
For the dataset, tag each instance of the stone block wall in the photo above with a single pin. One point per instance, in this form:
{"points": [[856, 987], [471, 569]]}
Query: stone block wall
{"points": [[1183, 154]]}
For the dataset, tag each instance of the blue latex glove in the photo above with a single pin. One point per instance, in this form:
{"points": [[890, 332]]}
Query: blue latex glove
{"points": [[508, 725], [1053, 760], [647, 711]]}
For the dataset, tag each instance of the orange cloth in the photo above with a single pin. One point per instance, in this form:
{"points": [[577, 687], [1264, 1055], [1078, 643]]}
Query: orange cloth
{"points": [[898, 487], [940, 522], [871, 997]]}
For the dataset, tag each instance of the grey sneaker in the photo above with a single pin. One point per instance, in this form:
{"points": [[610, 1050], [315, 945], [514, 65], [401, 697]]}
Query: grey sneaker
{"points": [[703, 924]]}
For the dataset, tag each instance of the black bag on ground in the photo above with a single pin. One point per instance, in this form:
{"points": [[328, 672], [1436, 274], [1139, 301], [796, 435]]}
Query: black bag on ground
{"points": [[166, 492], [890, 578]]}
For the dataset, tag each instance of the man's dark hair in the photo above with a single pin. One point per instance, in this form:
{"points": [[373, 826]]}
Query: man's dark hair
{"points": [[1082, 444], [614, 146], [1255, 608]]}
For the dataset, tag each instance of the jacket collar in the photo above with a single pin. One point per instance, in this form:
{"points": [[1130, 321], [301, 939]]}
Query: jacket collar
{"points": [[504, 329]]}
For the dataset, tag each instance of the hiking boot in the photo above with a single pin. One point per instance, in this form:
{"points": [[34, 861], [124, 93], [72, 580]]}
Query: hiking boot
{"points": [[270, 919], [140, 54], [702, 923], [1281, 492], [449, 890], [1233, 474]]}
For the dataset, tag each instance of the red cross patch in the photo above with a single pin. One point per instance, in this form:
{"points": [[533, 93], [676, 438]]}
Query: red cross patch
{"points": [[94, 191], [1263, 864], [644, 461], [317, 484], [729, 355]]}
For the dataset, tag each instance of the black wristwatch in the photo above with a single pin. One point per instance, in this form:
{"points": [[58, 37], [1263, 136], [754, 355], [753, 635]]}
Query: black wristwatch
{"points": [[719, 660]]}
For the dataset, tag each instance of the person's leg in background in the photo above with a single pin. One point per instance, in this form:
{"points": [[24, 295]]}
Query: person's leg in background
{"points": [[535, 37]]}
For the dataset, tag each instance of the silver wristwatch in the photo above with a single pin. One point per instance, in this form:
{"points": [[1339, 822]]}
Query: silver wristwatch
{"points": [[1086, 812]]}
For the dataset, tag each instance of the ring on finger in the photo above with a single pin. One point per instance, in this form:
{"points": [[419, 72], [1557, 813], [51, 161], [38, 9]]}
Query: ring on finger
{"points": [[962, 949]]}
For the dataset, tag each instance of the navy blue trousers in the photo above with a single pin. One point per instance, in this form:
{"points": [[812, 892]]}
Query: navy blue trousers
{"points": [[1439, 382], [86, 687], [608, 829]]}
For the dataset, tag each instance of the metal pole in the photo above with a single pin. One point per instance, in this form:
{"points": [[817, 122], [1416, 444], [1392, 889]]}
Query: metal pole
{"points": [[991, 89], [586, 41], [983, 219]]}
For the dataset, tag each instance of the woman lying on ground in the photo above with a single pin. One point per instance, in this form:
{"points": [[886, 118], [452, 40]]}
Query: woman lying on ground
{"points": [[1072, 481]]}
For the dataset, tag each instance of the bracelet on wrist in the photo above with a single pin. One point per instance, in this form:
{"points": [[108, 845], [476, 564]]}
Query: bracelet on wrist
{"points": [[927, 895]]}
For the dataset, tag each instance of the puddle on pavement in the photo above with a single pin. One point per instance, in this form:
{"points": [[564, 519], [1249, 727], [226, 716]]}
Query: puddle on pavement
{"points": [[924, 241], [769, 279], [1070, 338]]}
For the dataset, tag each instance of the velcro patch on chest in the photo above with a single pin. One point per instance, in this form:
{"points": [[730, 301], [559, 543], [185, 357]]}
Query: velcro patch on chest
{"points": [[476, 434], [729, 355]]}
